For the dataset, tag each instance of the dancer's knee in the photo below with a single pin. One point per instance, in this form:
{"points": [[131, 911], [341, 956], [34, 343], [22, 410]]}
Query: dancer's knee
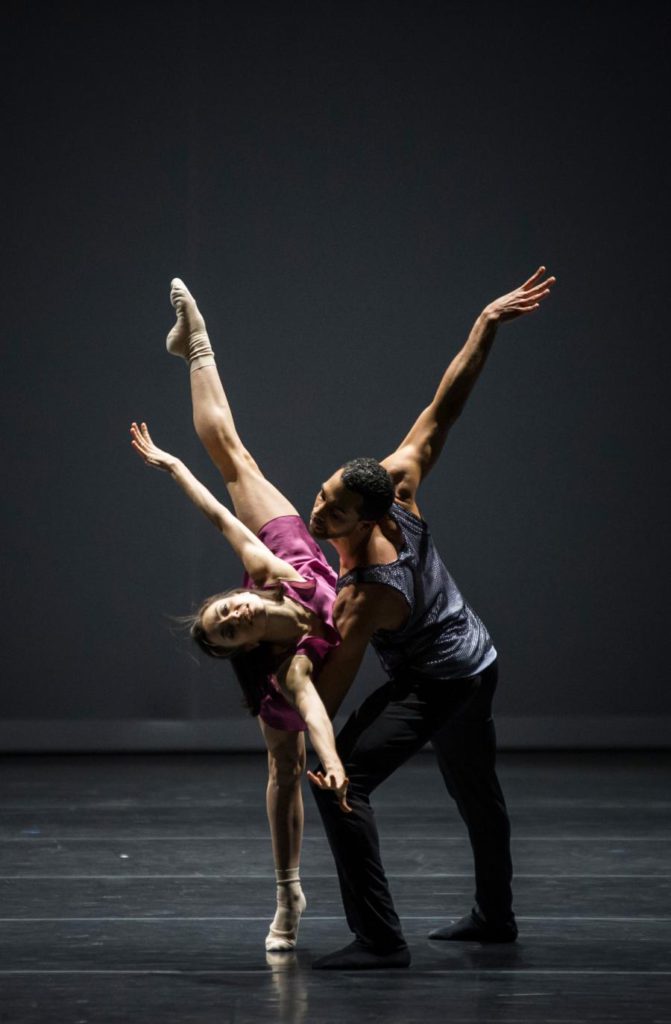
{"points": [[216, 431], [226, 450], [327, 804], [285, 768]]}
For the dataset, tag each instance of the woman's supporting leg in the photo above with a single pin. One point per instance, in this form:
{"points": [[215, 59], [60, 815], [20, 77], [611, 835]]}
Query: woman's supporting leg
{"points": [[254, 498], [284, 804]]}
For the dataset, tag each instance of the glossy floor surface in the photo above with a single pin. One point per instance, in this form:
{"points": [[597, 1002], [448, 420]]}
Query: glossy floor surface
{"points": [[139, 888]]}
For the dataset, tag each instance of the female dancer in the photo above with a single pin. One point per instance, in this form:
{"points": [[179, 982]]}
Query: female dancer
{"points": [[278, 629]]}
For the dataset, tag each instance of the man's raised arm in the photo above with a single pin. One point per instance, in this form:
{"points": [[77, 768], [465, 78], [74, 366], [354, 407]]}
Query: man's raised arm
{"points": [[420, 449]]}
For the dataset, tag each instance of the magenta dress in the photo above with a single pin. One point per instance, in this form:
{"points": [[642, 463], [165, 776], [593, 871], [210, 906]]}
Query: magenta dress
{"points": [[289, 539]]}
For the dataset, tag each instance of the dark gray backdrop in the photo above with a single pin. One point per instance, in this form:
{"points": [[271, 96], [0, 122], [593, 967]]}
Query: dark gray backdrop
{"points": [[343, 186]]}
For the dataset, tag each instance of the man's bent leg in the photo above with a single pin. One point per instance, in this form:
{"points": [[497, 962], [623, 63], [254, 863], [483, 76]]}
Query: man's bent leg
{"points": [[393, 724], [353, 837]]}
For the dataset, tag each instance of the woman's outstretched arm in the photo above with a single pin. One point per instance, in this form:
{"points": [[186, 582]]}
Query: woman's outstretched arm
{"points": [[295, 680], [259, 561]]}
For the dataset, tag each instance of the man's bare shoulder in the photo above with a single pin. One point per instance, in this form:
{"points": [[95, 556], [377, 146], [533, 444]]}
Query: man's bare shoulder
{"points": [[369, 607], [404, 469]]}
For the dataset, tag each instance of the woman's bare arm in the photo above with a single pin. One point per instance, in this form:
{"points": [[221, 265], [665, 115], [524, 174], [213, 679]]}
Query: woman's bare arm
{"points": [[295, 679], [262, 565]]}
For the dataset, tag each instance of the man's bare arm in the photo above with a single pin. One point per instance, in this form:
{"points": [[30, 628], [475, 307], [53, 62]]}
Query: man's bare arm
{"points": [[420, 449], [359, 611]]}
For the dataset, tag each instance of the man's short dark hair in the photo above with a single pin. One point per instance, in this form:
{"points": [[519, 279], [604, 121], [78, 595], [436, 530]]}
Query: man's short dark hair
{"points": [[372, 481]]}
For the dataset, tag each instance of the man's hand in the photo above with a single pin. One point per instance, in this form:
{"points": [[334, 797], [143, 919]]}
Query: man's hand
{"points": [[422, 445], [153, 456], [524, 299], [336, 781]]}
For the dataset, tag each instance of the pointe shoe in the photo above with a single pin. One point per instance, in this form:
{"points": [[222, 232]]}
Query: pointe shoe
{"points": [[188, 338], [283, 932]]}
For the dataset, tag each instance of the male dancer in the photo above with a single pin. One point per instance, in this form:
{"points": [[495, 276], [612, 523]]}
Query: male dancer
{"points": [[394, 591]]}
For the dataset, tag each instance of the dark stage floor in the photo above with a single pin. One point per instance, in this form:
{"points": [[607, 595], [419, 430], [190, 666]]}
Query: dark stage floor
{"points": [[140, 888]]}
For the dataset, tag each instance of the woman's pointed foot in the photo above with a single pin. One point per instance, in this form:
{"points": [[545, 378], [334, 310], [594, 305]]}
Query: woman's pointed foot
{"points": [[188, 338]]}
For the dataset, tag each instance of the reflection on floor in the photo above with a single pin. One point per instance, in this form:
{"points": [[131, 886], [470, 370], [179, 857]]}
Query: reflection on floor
{"points": [[140, 888]]}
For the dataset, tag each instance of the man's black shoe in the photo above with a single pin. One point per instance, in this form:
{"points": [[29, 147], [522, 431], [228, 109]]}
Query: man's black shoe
{"points": [[357, 957], [473, 928]]}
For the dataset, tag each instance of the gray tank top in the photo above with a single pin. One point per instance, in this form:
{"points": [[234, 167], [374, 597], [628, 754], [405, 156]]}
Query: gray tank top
{"points": [[443, 638]]}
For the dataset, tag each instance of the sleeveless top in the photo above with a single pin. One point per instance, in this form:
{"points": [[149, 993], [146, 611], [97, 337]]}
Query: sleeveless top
{"points": [[443, 638]]}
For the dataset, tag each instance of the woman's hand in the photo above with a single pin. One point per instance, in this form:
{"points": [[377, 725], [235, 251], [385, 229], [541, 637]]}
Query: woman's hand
{"points": [[524, 299], [152, 455], [336, 781]]}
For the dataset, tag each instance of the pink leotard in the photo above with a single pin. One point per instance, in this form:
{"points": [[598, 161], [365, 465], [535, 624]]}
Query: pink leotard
{"points": [[288, 538]]}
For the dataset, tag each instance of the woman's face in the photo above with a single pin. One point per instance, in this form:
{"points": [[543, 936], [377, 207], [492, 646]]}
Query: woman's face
{"points": [[235, 621]]}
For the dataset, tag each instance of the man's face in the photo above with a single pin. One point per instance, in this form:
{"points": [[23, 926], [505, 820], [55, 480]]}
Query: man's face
{"points": [[335, 512]]}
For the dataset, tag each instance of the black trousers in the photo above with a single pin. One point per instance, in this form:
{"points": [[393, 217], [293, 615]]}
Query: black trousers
{"points": [[394, 723]]}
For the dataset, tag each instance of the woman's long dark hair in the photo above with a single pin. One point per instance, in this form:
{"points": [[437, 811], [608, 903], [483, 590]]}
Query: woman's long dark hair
{"points": [[250, 667]]}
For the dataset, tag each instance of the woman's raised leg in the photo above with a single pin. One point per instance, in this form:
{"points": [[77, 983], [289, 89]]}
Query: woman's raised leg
{"points": [[284, 804], [254, 498]]}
